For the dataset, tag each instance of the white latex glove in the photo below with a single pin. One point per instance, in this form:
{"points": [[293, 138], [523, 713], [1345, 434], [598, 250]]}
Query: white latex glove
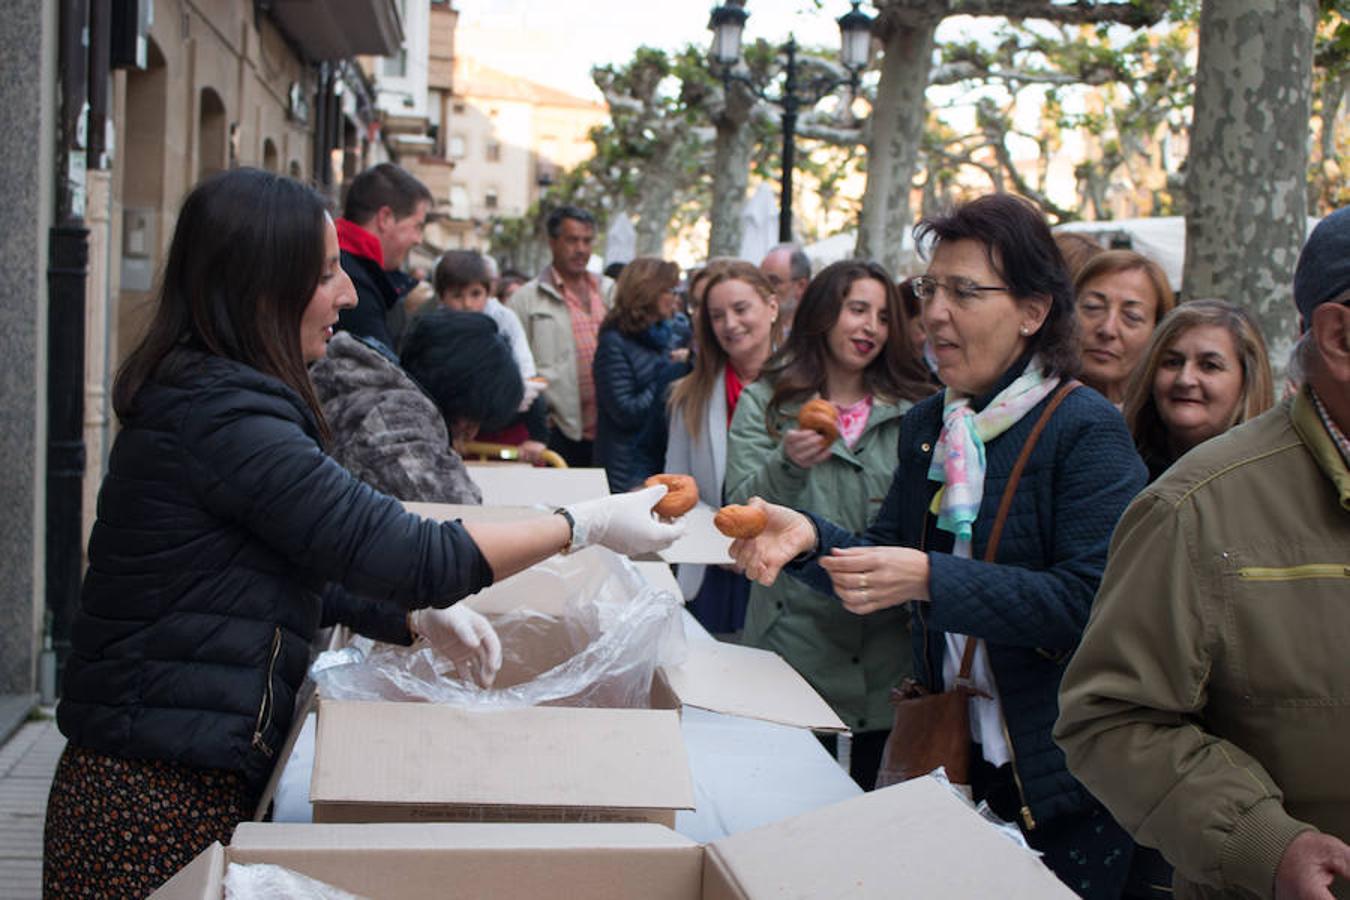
{"points": [[532, 390], [463, 635], [624, 523]]}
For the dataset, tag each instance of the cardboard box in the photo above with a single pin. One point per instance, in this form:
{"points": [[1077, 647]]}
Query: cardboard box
{"points": [[393, 761], [911, 840], [514, 484]]}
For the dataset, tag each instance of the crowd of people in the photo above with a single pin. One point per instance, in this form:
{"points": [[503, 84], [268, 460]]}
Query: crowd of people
{"points": [[1038, 492]]}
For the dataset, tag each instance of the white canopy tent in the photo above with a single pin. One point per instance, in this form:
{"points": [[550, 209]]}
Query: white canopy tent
{"points": [[1162, 239], [759, 224]]}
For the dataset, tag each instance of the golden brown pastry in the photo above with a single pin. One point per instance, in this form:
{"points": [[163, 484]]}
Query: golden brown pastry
{"points": [[741, 521], [681, 496], [820, 416]]}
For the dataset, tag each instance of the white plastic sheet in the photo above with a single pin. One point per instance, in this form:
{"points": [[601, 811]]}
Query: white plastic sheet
{"points": [[261, 881], [601, 650]]}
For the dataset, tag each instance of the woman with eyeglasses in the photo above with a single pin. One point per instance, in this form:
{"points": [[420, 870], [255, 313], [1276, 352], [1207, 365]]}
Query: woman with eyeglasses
{"points": [[998, 311], [849, 344]]}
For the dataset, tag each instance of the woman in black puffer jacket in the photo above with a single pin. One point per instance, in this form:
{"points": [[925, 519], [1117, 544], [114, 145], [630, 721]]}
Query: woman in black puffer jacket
{"points": [[635, 359], [225, 535]]}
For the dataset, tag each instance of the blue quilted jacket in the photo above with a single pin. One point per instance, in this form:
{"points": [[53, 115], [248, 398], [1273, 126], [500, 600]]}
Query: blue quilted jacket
{"points": [[1032, 604], [631, 374]]}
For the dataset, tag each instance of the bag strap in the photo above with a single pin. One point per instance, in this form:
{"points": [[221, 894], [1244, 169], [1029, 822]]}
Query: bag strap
{"points": [[1005, 504]]}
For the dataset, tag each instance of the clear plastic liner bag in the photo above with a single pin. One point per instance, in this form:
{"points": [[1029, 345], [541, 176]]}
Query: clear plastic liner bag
{"points": [[262, 881], [593, 634], [1008, 829]]}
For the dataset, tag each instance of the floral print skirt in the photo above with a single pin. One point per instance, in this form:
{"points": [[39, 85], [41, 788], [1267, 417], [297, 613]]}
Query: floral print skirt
{"points": [[122, 827]]}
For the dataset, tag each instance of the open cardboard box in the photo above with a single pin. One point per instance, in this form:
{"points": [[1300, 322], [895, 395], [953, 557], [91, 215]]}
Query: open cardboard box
{"points": [[911, 840], [514, 484], [395, 761]]}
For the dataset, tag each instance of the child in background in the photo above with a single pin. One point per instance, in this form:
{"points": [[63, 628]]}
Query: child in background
{"points": [[463, 282]]}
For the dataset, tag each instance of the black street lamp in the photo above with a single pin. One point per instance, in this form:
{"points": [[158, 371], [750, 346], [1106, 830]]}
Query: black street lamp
{"points": [[855, 31]]}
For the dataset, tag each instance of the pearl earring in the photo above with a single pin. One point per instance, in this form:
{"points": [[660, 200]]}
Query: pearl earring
{"points": [[1024, 330]]}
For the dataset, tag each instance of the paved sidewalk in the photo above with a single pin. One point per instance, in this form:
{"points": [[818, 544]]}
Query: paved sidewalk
{"points": [[27, 763]]}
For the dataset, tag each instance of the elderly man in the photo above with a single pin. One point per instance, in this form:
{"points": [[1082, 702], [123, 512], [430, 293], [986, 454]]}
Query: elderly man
{"points": [[1208, 705], [789, 270], [561, 312]]}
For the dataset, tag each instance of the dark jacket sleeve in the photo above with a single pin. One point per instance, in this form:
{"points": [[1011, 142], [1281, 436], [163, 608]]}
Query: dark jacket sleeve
{"points": [[651, 441], [1096, 474], [618, 390], [536, 419], [883, 532], [254, 463], [383, 620]]}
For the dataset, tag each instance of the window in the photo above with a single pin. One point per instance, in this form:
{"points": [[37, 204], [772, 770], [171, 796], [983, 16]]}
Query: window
{"points": [[459, 201], [395, 66], [454, 148], [490, 199], [493, 151], [459, 109]]}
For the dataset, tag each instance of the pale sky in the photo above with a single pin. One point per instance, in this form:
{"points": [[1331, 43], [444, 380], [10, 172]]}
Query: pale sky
{"points": [[513, 35]]}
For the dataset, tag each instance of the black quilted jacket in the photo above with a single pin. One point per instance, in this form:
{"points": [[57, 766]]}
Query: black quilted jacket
{"points": [[220, 524]]}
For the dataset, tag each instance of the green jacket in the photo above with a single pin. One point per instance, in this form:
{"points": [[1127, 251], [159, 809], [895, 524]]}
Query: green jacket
{"points": [[1208, 705], [852, 661], [547, 321]]}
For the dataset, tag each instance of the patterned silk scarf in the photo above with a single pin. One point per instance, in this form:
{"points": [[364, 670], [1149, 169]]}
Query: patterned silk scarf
{"points": [[958, 459]]}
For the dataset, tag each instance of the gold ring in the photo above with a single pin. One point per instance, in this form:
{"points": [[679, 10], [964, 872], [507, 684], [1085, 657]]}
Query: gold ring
{"points": [[863, 583]]}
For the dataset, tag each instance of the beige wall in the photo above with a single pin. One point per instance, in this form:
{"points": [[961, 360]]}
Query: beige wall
{"points": [[441, 47], [528, 136], [202, 48]]}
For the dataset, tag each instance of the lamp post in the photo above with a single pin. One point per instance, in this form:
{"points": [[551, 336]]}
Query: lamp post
{"points": [[855, 30]]}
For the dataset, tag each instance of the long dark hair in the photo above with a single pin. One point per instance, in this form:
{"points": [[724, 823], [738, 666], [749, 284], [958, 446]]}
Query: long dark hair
{"points": [[797, 370], [246, 257], [1023, 252]]}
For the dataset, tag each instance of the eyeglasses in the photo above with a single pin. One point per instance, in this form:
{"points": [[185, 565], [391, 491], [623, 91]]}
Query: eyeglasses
{"points": [[962, 290]]}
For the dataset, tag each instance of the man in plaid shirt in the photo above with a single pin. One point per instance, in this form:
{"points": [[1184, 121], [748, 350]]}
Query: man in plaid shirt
{"points": [[561, 311]]}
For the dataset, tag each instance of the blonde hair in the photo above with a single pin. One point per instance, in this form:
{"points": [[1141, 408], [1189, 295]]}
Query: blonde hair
{"points": [[1258, 386], [689, 395]]}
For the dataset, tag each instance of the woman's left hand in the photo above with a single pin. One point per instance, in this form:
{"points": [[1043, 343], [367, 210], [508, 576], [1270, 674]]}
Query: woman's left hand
{"points": [[871, 578], [464, 636], [805, 448]]}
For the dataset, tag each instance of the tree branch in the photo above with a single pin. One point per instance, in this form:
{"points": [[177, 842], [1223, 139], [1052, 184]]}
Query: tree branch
{"points": [[1135, 13], [965, 70]]}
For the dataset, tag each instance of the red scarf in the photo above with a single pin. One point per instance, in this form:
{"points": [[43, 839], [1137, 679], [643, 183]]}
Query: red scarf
{"points": [[359, 242], [734, 388]]}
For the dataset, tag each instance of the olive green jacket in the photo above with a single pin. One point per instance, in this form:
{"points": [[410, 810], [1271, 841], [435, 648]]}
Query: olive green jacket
{"points": [[852, 661], [1208, 705]]}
